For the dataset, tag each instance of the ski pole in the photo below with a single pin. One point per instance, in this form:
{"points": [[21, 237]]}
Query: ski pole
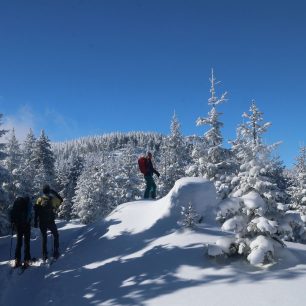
{"points": [[11, 242]]}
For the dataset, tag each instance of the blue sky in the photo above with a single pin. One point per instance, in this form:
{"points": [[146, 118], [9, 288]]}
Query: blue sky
{"points": [[78, 68]]}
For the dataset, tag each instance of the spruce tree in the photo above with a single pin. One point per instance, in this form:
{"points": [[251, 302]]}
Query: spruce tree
{"points": [[254, 214], [174, 156], [126, 178], [4, 179], [44, 163], [94, 195], [67, 181], [214, 162], [12, 164], [28, 164], [298, 190]]}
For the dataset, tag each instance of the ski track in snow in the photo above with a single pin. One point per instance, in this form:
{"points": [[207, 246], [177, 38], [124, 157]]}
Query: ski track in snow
{"points": [[139, 255]]}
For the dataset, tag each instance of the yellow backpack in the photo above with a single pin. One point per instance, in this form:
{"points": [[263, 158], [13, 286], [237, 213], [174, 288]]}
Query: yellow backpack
{"points": [[51, 202]]}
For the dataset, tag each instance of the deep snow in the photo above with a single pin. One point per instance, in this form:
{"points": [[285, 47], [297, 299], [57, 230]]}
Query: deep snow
{"points": [[139, 255]]}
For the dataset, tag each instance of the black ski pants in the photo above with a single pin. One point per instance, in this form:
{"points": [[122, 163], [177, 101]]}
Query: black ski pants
{"points": [[44, 227], [23, 232]]}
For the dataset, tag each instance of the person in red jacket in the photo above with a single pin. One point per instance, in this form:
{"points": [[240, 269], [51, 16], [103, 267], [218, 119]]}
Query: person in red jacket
{"points": [[151, 186]]}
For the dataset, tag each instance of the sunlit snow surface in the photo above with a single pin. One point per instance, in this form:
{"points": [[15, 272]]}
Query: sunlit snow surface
{"points": [[139, 255]]}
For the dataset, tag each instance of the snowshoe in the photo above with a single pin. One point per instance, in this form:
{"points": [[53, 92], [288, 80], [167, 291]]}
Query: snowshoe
{"points": [[17, 264]]}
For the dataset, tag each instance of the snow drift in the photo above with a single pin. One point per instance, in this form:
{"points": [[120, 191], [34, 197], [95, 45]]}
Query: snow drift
{"points": [[199, 191], [166, 211]]}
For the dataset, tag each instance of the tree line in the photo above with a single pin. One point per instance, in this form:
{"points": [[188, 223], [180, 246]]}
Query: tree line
{"points": [[95, 174]]}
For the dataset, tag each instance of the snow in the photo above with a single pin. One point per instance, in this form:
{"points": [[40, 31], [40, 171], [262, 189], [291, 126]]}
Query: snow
{"points": [[229, 206], [225, 244], [253, 200], [199, 191], [139, 255], [260, 248], [265, 225], [234, 224]]}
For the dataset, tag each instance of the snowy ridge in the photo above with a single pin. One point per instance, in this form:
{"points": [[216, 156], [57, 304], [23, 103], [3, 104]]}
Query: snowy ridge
{"points": [[139, 255]]}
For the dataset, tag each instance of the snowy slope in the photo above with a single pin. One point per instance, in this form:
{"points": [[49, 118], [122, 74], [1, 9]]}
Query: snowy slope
{"points": [[139, 255]]}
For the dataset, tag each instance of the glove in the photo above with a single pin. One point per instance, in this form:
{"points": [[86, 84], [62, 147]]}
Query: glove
{"points": [[158, 174]]}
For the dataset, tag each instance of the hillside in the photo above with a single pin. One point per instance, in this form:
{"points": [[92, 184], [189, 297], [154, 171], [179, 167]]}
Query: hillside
{"points": [[140, 255]]}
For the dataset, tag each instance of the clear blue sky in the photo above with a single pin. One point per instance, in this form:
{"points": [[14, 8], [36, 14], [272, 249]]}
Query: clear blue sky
{"points": [[86, 67]]}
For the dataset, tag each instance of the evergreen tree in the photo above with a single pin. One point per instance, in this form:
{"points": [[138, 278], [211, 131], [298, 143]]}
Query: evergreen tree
{"points": [[164, 165], [254, 216], [213, 137], [255, 158], [44, 163], [94, 195], [4, 178], [298, 190], [12, 164], [197, 151], [190, 216], [214, 161], [28, 164], [67, 181], [126, 178], [174, 156]]}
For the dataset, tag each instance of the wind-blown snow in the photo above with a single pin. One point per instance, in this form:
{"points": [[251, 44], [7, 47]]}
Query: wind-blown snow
{"points": [[139, 255]]}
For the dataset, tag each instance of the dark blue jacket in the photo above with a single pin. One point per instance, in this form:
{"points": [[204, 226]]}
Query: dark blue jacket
{"points": [[21, 212], [151, 169]]}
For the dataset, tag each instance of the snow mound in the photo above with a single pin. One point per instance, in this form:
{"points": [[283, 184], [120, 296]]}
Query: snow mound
{"points": [[136, 217], [199, 191]]}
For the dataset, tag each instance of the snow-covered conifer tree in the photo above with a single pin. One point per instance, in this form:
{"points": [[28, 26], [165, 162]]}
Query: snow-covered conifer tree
{"points": [[214, 162], [44, 163], [127, 181], [94, 194], [253, 212], [190, 216], [174, 157], [164, 164], [12, 164], [298, 190], [4, 178], [27, 168], [254, 157], [67, 181]]}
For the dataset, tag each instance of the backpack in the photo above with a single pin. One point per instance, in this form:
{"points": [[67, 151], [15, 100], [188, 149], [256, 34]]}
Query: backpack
{"points": [[20, 213], [46, 203], [143, 166]]}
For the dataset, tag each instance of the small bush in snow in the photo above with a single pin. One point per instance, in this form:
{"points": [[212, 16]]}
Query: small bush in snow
{"points": [[190, 217]]}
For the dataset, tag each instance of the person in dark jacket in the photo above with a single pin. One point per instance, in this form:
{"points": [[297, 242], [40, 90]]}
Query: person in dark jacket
{"points": [[151, 186], [20, 215], [45, 213]]}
